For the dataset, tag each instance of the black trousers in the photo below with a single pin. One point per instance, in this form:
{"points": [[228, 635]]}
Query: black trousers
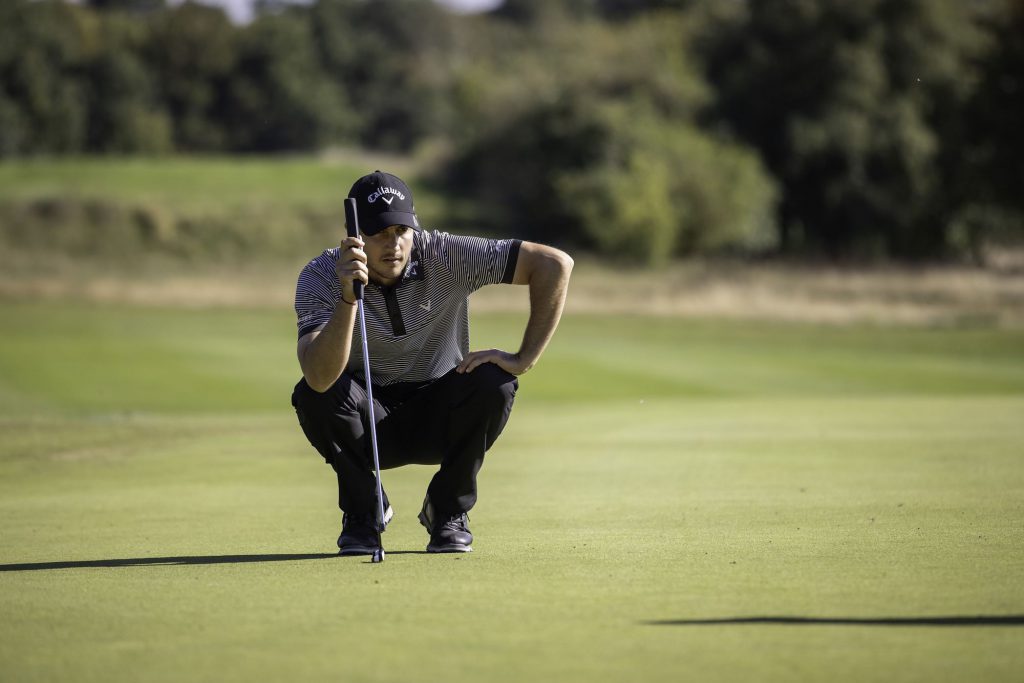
{"points": [[451, 421]]}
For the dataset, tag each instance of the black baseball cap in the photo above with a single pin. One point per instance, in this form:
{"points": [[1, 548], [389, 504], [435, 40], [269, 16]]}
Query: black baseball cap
{"points": [[383, 200]]}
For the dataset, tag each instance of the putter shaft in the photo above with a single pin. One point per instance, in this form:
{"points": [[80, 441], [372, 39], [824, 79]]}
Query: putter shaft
{"points": [[373, 432], [352, 228]]}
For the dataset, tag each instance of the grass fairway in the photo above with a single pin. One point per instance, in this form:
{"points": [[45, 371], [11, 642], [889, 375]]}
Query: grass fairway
{"points": [[660, 482]]}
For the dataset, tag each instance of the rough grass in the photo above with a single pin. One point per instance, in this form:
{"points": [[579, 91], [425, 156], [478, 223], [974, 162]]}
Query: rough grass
{"points": [[193, 210], [163, 518]]}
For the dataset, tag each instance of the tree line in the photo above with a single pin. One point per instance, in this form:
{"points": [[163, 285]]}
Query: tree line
{"points": [[644, 129]]}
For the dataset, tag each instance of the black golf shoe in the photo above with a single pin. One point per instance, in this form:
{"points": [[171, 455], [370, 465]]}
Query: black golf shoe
{"points": [[448, 533], [359, 533]]}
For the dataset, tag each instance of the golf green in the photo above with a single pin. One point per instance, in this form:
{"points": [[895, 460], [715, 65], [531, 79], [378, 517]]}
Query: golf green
{"points": [[672, 500]]}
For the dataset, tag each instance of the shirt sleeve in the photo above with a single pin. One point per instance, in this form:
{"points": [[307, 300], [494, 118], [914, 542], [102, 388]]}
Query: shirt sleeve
{"points": [[477, 261], [316, 293]]}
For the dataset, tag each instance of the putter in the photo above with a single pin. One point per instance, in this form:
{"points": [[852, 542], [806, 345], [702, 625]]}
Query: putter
{"points": [[352, 225]]}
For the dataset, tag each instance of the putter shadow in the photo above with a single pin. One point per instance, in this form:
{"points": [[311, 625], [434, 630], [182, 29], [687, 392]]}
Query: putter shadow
{"points": [[180, 560], [155, 561], [965, 620]]}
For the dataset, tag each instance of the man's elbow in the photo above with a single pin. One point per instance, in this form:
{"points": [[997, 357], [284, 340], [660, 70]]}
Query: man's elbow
{"points": [[542, 264], [318, 385], [561, 264], [565, 262], [556, 261], [317, 381]]}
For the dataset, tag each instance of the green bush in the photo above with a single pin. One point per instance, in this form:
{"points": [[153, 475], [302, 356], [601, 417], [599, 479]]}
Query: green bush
{"points": [[620, 179], [665, 189]]}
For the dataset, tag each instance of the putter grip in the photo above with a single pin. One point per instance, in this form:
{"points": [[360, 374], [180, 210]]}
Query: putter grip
{"points": [[352, 226]]}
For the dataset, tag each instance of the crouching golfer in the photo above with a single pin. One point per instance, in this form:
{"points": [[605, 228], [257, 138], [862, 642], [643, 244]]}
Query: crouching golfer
{"points": [[435, 402]]}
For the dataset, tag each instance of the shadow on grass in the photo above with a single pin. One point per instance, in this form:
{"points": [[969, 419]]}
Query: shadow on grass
{"points": [[975, 620], [182, 560]]}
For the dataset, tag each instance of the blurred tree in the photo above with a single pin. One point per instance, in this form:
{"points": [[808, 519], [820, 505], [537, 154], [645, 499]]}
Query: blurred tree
{"points": [[280, 97], [857, 109], [626, 9], [46, 48], [275, 6], [191, 51], [129, 5], [534, 12], [13, 126], [125, 114], [396, 72], [997, 135], [510, 69]]}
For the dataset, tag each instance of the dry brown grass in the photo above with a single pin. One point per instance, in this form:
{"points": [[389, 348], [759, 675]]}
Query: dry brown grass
{"points": [[923, 296], [937, 295]]}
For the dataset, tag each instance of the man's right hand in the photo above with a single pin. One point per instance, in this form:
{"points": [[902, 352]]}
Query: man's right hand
{"points": [[351, 266]]}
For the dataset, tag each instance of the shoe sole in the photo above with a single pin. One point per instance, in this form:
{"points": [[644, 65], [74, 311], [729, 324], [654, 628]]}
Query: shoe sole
{"points": [[449, 548]]}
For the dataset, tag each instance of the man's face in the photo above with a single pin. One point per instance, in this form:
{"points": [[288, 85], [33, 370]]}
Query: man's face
{"points": [[387, 252]]}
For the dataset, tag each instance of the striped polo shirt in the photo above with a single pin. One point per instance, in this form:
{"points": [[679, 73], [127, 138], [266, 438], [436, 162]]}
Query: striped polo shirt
{"points": [[417, 329]]}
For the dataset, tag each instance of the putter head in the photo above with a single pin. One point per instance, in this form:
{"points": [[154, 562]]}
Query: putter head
{"points": [[378, 555]]}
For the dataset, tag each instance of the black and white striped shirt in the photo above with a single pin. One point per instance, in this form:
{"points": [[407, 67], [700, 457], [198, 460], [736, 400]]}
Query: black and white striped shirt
{"points": [[417, 329]]}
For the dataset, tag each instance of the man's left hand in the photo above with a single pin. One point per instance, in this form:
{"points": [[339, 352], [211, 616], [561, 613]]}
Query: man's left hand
{"points": [[509, 362]]}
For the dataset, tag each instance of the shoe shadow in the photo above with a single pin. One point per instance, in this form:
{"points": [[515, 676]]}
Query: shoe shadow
{"points": [[181, 560], [958, 620], [406, 552]]}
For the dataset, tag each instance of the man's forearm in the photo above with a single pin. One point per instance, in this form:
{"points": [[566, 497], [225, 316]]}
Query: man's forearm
{"points": [[325, 357], [548, 287]]}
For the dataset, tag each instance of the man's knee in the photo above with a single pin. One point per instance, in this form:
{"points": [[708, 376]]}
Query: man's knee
{"points": [[331, 420], [493, 385], [495, 391], [336, 400]]}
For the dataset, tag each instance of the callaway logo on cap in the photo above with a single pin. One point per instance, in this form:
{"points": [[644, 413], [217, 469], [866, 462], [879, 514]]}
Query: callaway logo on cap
{"points": [[383, 200]]}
